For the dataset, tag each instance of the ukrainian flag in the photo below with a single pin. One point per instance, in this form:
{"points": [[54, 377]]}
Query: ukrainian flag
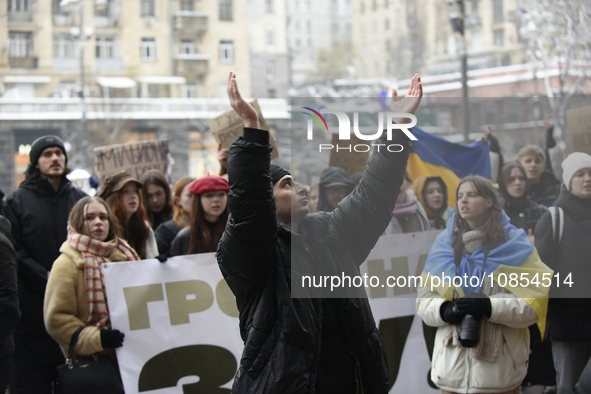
{"points": [[433, 155], [514, 264]]}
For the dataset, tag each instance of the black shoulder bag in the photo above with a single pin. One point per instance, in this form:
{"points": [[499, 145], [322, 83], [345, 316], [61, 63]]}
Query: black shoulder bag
{"points": [[89, 375]]}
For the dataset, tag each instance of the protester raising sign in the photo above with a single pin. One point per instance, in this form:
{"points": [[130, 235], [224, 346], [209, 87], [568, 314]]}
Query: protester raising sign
{"points": [[579, 128], [135, 158], [227, 126]]}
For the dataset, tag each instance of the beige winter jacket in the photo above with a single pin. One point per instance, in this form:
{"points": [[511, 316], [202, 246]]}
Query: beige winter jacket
{"points": [[455, 370], [65, 306]]}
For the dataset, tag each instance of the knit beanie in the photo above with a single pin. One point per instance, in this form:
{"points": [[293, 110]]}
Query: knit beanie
{"points": [[42, 143], [277, 173], [573, 163], [209, 183]]}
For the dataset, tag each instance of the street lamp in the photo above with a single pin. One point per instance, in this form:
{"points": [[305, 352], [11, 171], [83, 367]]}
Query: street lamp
{"points": [[82, 35], [458, 25]]}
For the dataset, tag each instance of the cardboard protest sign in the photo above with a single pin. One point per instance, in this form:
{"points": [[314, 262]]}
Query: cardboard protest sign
{"points": [[135, 158], [345, 156], [227, 126], [578, 122]]}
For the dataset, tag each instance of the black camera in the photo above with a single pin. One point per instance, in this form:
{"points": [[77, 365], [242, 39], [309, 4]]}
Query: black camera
{"points": [[469, 329]]}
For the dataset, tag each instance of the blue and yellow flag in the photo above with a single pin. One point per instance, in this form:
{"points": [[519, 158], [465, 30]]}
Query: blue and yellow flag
{"points": [[434, 155], [514, 264]]}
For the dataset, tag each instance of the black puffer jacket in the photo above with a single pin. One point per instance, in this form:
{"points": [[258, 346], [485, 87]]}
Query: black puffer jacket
{"points": [[546, 191], [9, 312], [331, 175], [165, 234], [39, 218], [282, 334], [569, 319]]}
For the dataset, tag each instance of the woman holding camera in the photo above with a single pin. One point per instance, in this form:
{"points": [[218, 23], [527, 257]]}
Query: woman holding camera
{"points": [[482, 341]]}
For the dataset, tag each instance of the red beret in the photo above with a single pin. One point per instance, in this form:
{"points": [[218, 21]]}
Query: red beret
{"points": [[209, 183]]}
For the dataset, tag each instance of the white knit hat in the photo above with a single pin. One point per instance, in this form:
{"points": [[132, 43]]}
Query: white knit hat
{"points": [[573, 163]]}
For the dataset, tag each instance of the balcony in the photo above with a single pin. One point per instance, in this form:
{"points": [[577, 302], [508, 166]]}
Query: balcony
{"points": [[193, 22], [66, 63], [192, 64], [20, 16], [64, 20], [22, 62], [105, 21], [113, 64]]}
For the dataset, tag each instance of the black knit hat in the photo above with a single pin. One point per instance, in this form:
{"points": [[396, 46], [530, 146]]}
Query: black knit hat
{"points": [[277, 173], [42, 143]]}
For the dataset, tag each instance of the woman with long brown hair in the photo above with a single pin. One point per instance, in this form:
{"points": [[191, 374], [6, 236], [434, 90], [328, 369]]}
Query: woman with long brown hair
{"points": [[75, 295], [182, 206], [482, 317], [121, 192], [208, 217], [157, 197]]}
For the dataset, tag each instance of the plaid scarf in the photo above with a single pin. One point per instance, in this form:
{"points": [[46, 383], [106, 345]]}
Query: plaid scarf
{"points": [[94, 253]]}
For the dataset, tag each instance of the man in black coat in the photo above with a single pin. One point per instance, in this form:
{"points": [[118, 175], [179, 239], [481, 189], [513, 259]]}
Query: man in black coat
{"points": [[9, 313], [38, 212], [296, 342]]}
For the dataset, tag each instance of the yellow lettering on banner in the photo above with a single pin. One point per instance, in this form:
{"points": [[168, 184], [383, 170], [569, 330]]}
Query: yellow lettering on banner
{"points": [[399, 269], [137, 299], [226, 299], [187, 297]]}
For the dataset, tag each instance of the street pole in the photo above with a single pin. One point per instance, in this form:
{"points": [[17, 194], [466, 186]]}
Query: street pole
{"points": [[464, 61], [82, 40]]}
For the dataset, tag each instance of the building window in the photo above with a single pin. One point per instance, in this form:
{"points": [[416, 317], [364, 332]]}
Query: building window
{"points": [[497, 11], [362, 7], [334, 5], [375, 26], [387, 24], [63, 46], [191, 90], [19, 5], [476, 41], [376, 47], [386, 3], [297, 42], [226, 51], [309, 26], [20, 45], [225, 10], [271, 93], [335, 28], [269, 6], [105, 47], [451, 44], [270, 72], [388, 44], [187, 5], [152, 90], [148, 49], [269, 37], [309, 42], [499, 37], [475, 7], [107, 10], [147, 8], [374, 5], [188, 47]]}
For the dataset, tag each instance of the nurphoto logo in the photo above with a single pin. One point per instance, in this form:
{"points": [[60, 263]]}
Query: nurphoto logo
{"points": [[345, 129]]}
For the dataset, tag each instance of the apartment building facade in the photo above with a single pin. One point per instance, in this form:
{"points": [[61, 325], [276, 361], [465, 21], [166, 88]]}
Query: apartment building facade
{"points": [[135, 48]]}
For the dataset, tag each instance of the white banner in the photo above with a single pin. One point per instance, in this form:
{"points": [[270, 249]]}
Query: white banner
{"points": [[181, 323]]}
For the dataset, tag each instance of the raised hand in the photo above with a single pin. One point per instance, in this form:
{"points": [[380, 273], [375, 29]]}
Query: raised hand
{"points": [[246, 111], [411, 102]]}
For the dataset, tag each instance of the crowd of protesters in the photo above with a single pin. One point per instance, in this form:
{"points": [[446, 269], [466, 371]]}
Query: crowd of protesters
{"points": [[59, 237]]}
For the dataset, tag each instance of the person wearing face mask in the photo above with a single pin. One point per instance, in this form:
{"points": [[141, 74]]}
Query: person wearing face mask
{"points": [[182, 205], [431, 192], [121, 192], [566, 248], [209, 214], [479, 243], [75, 295], [544, 185], [157, 197], [335, 184]]}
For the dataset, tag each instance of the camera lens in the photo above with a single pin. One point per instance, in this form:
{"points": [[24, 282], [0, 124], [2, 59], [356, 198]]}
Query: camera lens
{"points": [[469, 331]]}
